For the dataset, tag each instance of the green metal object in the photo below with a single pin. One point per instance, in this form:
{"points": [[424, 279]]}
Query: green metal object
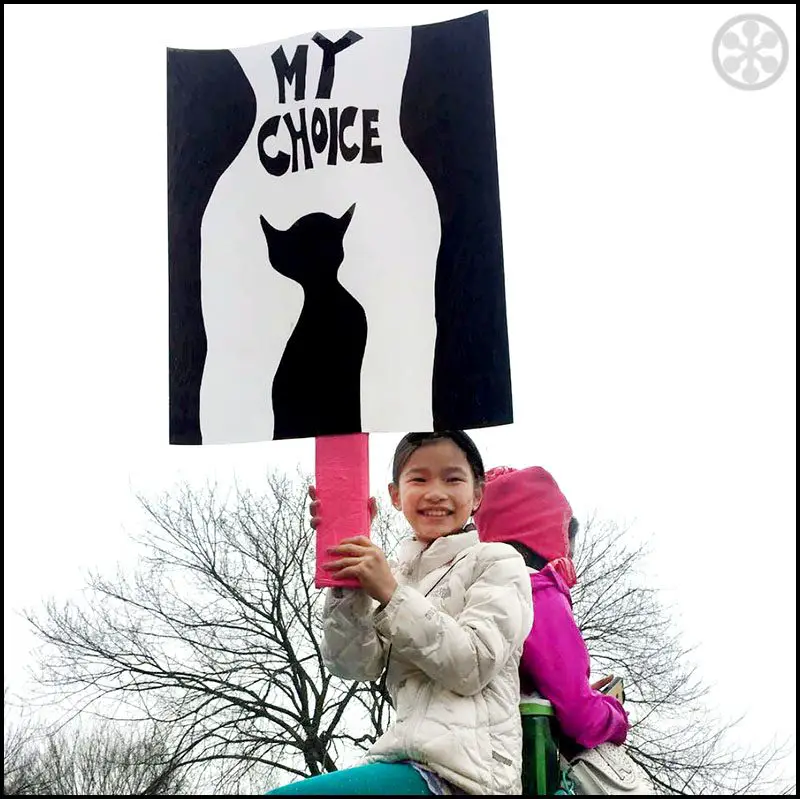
{"points": [[541, 768]]}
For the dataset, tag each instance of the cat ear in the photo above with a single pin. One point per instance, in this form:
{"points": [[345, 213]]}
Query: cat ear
{"points": [[347, 216], [267, 228]]}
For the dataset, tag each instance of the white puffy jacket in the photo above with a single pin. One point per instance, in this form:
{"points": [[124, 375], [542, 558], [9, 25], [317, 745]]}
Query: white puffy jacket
{"points": [[453, 632]]}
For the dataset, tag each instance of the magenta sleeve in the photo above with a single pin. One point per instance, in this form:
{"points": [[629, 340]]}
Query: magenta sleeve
{"points": [[555, 662]]}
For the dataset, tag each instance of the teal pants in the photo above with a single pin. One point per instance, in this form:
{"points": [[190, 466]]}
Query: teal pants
{"points": [[388, 779]]}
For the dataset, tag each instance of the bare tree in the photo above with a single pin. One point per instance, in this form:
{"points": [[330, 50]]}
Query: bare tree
{"points": [[217, 637], [19, 772], [106, 759], [630, 631]]}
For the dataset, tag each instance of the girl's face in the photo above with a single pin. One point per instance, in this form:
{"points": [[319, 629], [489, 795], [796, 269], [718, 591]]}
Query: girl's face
{"points": [[436, 490]]}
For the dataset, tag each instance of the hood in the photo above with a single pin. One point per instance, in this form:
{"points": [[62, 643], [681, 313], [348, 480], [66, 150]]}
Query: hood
{"points": [[525, 505]]}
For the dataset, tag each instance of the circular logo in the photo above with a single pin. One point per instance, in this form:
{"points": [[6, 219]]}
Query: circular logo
{"points": [[750, 52]]}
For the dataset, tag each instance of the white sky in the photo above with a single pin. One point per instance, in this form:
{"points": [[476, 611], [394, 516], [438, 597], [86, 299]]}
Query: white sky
{"points": [[649, 234]]}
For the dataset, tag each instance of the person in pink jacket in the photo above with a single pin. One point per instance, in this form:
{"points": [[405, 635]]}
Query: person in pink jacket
{"points": [[526, 509]]}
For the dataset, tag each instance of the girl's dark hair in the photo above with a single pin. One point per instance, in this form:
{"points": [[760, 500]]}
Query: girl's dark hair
{"points": [[411, 442], [574, 526], [533, 559]]}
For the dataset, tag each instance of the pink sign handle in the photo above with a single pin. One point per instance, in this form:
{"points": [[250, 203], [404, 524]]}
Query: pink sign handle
{"points": [[342, 481]]}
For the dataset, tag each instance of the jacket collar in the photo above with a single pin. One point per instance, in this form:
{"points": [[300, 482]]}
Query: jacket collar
{"points": [[413, 558]]}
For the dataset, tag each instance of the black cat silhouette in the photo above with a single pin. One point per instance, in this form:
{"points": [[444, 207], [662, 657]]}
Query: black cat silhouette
{"points": [[317, 386]]}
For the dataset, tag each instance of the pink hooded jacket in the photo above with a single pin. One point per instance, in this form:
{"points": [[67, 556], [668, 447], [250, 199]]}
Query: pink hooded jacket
{"points": [[527, 506]]}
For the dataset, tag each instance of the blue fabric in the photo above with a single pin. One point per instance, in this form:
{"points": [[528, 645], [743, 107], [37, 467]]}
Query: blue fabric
{"points": [[388, 779]]}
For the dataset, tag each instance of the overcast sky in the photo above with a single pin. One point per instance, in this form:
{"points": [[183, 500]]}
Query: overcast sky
{"points": [[648, 215]]}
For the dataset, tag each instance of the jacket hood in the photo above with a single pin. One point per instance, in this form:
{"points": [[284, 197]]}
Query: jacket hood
{"points": [[525, 505]]}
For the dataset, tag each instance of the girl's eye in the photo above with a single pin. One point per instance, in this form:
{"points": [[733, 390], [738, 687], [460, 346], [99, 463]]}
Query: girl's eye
{"points": [[455, 479]]}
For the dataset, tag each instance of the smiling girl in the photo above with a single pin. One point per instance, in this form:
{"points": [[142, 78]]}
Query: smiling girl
{"points": [[446, 624]]}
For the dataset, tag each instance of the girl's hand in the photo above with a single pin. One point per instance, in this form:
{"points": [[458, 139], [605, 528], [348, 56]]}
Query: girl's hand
{"points": [[314, 508], [367, 563]]}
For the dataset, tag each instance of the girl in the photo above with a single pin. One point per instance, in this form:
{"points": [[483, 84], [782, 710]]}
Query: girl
{"points": [[526, 509], [446, 625]]}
